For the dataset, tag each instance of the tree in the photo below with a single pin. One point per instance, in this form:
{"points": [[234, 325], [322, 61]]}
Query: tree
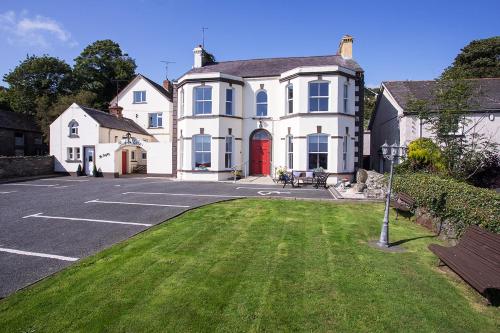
{"points": [[48, 111], [370, 100], [99, 66], [36, 77], [464, 154], [481, 58], [4, 99]]}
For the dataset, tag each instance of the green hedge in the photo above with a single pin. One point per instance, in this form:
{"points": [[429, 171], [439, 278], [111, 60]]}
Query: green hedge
{"points": [[459, 203]]}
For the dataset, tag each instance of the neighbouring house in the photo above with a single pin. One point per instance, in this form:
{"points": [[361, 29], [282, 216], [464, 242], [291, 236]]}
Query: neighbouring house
{"points": [[391, 122], [134, 136], [20, 135], [299, 113]]}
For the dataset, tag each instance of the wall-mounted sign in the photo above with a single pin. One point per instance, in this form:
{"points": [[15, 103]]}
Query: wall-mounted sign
{"points": [[104, 155]]}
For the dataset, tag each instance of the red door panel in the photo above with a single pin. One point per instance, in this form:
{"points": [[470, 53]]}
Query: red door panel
{"points": [[124, 162], [260, 164]]}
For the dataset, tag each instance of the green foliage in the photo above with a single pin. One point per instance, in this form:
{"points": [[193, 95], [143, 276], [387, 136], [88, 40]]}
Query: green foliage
{"points": [[79, 170], [481, 58], [95, 172], [207, 58], [37, 77], [458, 202], [370, 99], [98, 66], [424, 154], [4, 99]]}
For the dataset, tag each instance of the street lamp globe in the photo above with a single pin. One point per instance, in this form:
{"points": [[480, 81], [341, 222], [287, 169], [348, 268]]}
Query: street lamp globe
{"points": [[394, 150], [385, 150]]}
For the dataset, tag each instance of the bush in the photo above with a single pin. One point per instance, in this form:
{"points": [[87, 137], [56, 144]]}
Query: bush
{"points": [[458, 203], [424, 154]]}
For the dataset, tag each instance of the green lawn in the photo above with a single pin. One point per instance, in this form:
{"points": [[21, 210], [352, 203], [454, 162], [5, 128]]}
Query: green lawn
{"points": [[256, 265]]}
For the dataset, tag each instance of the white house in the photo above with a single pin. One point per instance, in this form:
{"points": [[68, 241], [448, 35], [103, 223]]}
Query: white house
{"points": [[135, 136], [391, 122], [299, 113]]}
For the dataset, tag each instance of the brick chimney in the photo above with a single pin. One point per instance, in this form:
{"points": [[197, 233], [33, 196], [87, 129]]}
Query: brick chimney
{"points": [[345, 47], [116, 110], [198, 56], [167, 85]]}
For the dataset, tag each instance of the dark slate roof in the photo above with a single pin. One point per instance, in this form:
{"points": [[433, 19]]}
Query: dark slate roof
{"points": [[274, 66], [108, 120], [17, 121], [159, 87], [486, 92]]}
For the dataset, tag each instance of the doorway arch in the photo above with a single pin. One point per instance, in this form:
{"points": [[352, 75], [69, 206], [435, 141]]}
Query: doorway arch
{"points": [[260, 152]]}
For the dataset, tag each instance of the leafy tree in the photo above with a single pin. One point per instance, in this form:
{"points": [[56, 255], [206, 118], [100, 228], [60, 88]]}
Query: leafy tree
{"points": [[370, 100], [36, 77], [481, 58], [48, 111], [464, 154], [4, 99], [97, 68]]}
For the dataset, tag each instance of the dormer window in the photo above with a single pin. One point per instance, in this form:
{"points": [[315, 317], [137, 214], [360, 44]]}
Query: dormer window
{"points": [[73, 129], [318, 96], [140, 96], [261, 103]]}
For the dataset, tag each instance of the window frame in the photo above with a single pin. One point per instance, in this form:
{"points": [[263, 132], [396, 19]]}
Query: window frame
{"points": [[78, 153], [345, 148], [345, 98], [203, 101], [142, 94], [257, 103], [228, 154], [69, 153], [73, 128], [289, 100], [209, 151], [289, 152], [230, 103], [181, 108], [318, 97], [318, 152], [159, 118], [144, 155]]}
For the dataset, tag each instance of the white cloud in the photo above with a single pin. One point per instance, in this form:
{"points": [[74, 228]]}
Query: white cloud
{"points": [[38, 31]]}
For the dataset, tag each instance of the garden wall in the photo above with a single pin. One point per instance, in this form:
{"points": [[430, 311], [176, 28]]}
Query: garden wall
{"points": [[23, 166], [449, 205]]}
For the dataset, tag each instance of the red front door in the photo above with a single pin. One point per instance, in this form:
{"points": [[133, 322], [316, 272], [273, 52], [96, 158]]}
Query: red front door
{"points": [[124, 162], [260, 164]]}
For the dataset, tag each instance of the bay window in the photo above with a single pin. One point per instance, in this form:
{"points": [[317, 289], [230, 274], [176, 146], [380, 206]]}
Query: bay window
{"points": [[203, 100], [317, 146], [318, 96], [201, 151]]}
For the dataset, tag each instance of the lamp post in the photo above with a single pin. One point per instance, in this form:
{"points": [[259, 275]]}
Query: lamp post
{"points": [[390, 153]]}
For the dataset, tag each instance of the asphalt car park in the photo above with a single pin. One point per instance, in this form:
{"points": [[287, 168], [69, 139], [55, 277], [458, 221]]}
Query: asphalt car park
{"points": [[48, 224]]}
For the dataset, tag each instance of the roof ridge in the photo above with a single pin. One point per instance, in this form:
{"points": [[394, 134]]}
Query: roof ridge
{"points": [[274, 58]]}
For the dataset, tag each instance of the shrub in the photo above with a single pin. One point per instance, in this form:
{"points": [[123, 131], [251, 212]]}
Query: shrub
{"points": [[79, 170], [457, 202], [424, 154]]}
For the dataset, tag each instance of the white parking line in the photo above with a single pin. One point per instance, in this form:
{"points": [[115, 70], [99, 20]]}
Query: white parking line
{"points": [[188, 194], [65, 180], [275, 188], [7, 192], [37, 254], [39, 215], [23, 184], [133, 203]]}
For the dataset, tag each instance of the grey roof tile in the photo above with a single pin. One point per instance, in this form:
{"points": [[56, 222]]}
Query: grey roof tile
{"points": [[17, 121], [108, 120]]}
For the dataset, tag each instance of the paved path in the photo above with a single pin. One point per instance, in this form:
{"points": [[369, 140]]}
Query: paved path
{"points": [[48, 224]]}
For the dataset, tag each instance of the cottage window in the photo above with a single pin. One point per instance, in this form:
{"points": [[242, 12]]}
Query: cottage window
{"points": [[228, 159], [77, 153], [144, 155], [318, 96], [261, 102], [201, 151], [318, 151], [229, 101], [70, 153], [345, 143], [19, 139], [156, 120], [140, 96], [181, 108], [289, 98], [73, 128], [203, 100]]}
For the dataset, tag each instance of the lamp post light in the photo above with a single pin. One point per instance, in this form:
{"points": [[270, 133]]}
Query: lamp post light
{"points": [[390, 153]]}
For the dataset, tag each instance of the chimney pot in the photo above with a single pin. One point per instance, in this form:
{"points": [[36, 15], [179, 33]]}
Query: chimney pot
{"points": [[198, 56], [167, 85], [116, 110]]}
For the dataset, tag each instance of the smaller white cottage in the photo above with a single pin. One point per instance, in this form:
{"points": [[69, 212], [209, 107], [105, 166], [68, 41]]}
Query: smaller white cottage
{"points": [[135, 136]]}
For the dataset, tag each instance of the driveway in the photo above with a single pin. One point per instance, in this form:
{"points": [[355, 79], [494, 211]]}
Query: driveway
{"points": [[48, 224]]}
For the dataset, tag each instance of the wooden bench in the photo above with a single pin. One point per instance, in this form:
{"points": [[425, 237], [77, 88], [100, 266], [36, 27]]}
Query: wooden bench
{"points": [[476, 259], [403, 202]]}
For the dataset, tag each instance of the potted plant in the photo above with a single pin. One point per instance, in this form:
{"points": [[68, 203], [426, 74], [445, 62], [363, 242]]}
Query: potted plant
{"points": [[280, 173], [79, 171]]}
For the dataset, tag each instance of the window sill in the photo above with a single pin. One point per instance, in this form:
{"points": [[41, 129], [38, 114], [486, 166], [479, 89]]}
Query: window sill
{"points": [[140, 103], [261, 117], [73, 136], [159, 127], [73, 161]]}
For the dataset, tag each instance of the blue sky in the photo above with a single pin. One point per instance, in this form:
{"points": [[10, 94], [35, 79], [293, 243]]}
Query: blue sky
{"points": [[394, 40]]}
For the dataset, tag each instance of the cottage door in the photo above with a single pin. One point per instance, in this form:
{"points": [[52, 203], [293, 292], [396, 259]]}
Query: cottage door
{"points": [[88, 162], [260, 148]]}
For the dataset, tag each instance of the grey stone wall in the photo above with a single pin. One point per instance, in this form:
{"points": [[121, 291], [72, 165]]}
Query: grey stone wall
{"points": [[26, 166]]}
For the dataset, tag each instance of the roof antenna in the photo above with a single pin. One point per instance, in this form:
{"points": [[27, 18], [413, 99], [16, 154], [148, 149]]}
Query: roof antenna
{"points": [[117, 83], [203, 36], [166, 62]]}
